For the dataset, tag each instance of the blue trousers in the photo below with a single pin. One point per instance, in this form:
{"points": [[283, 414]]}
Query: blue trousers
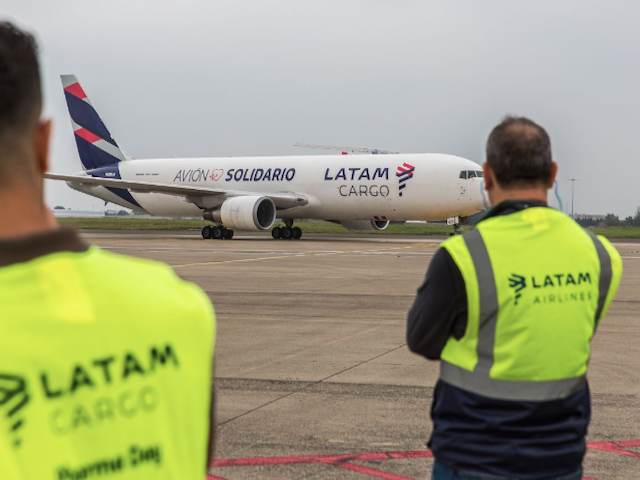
{"points": [[440, 472]]}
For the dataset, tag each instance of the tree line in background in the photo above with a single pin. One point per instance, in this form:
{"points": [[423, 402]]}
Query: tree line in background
{"points": [[611, 220]]}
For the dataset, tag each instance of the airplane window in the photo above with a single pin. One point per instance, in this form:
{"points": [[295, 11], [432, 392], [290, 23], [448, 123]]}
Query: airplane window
{"points": [[463, 174], [479, 173], [472, 174]]}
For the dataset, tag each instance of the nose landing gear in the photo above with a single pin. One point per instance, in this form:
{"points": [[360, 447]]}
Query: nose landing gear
{"points": [[457, 223]]}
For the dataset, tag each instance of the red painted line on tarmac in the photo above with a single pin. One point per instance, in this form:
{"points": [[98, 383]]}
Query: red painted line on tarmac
{"points": [[331, 459], [410, 454], [264, 461], [372, 472], [345, 461], [629, 443], [612, 447]]}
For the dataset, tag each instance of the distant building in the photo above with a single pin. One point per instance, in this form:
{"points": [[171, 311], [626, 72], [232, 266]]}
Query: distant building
{"points": [[78, 213], [589, 216]]}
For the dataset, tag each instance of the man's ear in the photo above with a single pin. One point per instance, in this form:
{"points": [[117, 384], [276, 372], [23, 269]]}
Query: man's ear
{"points": [[554, 173], [43, 138], [489, 178]]}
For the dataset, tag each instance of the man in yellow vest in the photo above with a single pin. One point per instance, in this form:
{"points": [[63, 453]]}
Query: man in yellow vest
{"points": [[509, 309], [105, 360]]}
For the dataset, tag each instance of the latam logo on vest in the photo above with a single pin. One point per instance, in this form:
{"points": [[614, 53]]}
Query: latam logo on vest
{"points": [[14, 397], [94, 377], [559, 280]]}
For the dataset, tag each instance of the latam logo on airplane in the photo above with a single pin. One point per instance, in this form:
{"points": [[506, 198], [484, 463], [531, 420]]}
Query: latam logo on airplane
{"points": [[404, 173]]}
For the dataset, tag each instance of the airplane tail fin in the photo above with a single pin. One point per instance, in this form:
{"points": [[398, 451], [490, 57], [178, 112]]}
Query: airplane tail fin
{"points": [[96, 146]]}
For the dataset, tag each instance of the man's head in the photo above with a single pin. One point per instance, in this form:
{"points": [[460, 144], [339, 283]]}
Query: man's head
{"points": [[519, 161], [24, 138]]}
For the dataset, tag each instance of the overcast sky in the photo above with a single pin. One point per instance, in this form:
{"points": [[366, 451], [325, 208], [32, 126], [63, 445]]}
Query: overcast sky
{"points": [[219, 78]]}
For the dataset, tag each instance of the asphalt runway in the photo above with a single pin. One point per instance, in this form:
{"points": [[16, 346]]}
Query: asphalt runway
{"points": [[314, 380]]}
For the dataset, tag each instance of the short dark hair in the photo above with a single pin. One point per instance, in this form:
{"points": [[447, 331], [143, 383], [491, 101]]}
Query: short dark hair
{"points": [[519, 153], [20, 89]]}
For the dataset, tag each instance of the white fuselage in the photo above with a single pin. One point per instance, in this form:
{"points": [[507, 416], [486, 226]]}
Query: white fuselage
{"points": [[353, 187]]}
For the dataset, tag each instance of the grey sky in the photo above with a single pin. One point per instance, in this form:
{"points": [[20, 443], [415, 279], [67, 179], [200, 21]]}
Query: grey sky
{"points": [[214, 78]]}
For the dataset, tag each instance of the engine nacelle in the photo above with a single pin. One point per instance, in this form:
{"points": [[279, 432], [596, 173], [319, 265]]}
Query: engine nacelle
{"points": [[365, 224], [249, 214]]}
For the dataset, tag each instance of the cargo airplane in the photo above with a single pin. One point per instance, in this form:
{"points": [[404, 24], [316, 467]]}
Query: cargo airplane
{"points": [[360, 192]]}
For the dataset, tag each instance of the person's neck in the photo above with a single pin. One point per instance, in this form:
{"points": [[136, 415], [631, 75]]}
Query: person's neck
{"points": [[531, 194], [21, 216]]}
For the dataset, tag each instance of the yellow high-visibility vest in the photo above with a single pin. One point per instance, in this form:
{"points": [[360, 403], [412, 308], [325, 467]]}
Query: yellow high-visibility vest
{"points": [[105, 370], [537, 287]]}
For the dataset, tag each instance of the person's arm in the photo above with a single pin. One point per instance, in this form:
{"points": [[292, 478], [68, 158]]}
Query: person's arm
{"points": [[439, 309]]}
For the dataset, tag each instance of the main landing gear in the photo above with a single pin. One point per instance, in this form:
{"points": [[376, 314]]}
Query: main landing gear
{"points": [[217, 232], [288, 232]]}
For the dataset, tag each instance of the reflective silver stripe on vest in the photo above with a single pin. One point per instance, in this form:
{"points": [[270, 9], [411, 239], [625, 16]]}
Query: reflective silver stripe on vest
{"points": [[509, 389], [606, 274], [478, 381], [488, 301]]}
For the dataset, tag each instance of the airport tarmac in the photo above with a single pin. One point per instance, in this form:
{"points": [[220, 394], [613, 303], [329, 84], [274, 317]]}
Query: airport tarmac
{"points": [[314, 379]]}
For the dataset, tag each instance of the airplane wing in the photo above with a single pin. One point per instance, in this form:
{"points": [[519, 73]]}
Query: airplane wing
{"points": [[282, 200]]}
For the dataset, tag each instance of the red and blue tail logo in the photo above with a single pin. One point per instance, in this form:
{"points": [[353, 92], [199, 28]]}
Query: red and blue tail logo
{"points": [[99, 152], [96, 146], [404, 173]]}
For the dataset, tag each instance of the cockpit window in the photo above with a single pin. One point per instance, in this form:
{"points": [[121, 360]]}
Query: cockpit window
{"points": [[466, 174]]}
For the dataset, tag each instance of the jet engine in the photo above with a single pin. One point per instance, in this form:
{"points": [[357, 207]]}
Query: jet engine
{"points": [[249, 213], [365, 224]]}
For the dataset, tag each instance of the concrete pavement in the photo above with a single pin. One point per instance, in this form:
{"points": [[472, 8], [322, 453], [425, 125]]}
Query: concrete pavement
{"points": [[311, 357]]}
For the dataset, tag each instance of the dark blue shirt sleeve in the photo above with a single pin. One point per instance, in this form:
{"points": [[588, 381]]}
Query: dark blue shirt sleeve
{"points": [[439, 309]]}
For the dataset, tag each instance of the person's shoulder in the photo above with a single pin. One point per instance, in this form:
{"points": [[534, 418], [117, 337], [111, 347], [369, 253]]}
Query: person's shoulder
{"points": [[129, 267], [146, 280], [610, 248]]}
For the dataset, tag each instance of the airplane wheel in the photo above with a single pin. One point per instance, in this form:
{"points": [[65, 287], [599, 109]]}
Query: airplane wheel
{"points": [[207, 232], [276, 232], [218, 233], [228, 234], [297, 233], [287, 233]]}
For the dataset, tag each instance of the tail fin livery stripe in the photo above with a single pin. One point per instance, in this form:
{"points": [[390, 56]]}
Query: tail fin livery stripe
{"points": [[68, 80], [98, 142], [76, 90], [85, 115], [125, 195], [87, 135], [107, 148], [92, 156]]}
